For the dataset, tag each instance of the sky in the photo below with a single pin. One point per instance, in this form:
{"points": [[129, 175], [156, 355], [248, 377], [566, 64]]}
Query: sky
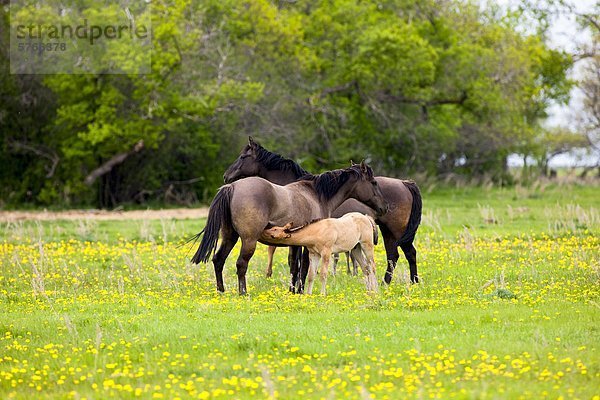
{"points": [[564, 34]]}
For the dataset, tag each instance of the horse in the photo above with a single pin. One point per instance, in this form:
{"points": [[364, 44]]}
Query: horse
{"points": [[353, 232], [244, 208], [254, 160], [398, 226]]}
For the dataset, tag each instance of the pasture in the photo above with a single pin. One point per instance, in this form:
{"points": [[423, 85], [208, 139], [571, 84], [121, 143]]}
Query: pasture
{"points": [[508, 307]]}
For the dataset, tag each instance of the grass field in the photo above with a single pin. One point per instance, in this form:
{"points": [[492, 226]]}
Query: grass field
{"points": [[508, 307]]}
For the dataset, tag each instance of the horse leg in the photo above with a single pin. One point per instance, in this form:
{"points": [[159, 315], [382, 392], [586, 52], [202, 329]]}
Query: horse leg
{"points": [[354, 264], [312, 271], [227, 243], [348, 271], [294, 264], [411, 256], [246, 254], [391, 250], [304, 265], [364, 257], [369, 254], [336, 258], [324, 271], [270, 253], [364, 265]]}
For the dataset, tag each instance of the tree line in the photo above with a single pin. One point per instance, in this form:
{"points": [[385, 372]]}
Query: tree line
{"points": [[436, 87]]}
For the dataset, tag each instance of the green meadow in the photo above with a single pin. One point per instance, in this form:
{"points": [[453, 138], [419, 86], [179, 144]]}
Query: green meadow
{"points": [[508, 308]]}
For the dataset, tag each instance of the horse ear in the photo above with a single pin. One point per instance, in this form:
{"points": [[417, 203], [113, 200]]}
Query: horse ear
{"points": [[251, 141], [366, 170]]}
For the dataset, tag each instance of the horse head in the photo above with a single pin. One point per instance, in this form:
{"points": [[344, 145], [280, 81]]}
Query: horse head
{"points": [[367, 190], [245, 165], [280, 232]]}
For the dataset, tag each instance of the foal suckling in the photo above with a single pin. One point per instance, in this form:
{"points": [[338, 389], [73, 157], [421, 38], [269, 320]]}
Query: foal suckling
{"points": [[353, 232]]}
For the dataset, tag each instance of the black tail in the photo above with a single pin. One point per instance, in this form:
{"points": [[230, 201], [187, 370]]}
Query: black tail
{"points": [[415, 214], [219, 214]]}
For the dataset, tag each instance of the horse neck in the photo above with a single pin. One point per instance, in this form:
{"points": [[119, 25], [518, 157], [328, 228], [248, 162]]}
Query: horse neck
{"points": [[305, 236], [278, 177], [343, 194]]}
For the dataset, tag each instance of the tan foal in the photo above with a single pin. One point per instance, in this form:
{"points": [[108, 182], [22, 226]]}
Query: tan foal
{"points": [[353, 232]]}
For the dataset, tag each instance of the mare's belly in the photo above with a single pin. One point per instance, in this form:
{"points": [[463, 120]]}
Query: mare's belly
{"points": [[298, 211]]}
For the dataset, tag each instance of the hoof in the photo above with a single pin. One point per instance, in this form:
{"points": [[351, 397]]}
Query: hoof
{"points": [[296, 290]]}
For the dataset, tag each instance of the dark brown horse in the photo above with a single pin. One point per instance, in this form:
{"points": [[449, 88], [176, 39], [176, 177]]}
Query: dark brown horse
{"points": [[398, 226], [244, 208]]}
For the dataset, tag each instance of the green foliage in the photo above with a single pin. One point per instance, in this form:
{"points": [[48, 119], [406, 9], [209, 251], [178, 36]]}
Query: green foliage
{"points": [[394, 57], [502, 293], [394, 82]]}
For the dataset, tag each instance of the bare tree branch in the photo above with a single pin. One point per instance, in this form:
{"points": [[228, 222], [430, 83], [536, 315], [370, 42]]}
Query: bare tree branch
{"points": [[186, 182], [591, 19], [383, 96], [110, 164], [41, 151], [339, 88]]}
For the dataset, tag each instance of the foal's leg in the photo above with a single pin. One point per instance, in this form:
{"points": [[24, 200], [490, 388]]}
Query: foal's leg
{"points": [[369, 252], [246, 254], [312, 271], [324, 270], [411, 256], [229, 240], [270, 253], [348, 271], [354, 264], [364, 265], [364, 255], [391, 250]]}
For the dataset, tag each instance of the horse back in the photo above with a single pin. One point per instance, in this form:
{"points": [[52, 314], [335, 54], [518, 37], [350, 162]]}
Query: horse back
{"points": [[394, 192], [400, 200], [352, 205], [257, 202], [364, 226]]}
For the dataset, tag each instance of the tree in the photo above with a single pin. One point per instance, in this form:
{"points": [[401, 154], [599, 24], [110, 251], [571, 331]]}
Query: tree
{"points": [[585, 55], [324, 82], [590, 86]]}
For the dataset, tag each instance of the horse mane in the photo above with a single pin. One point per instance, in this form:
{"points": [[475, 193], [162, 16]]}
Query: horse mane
{"points": [[329, 183], [275, 162]]}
